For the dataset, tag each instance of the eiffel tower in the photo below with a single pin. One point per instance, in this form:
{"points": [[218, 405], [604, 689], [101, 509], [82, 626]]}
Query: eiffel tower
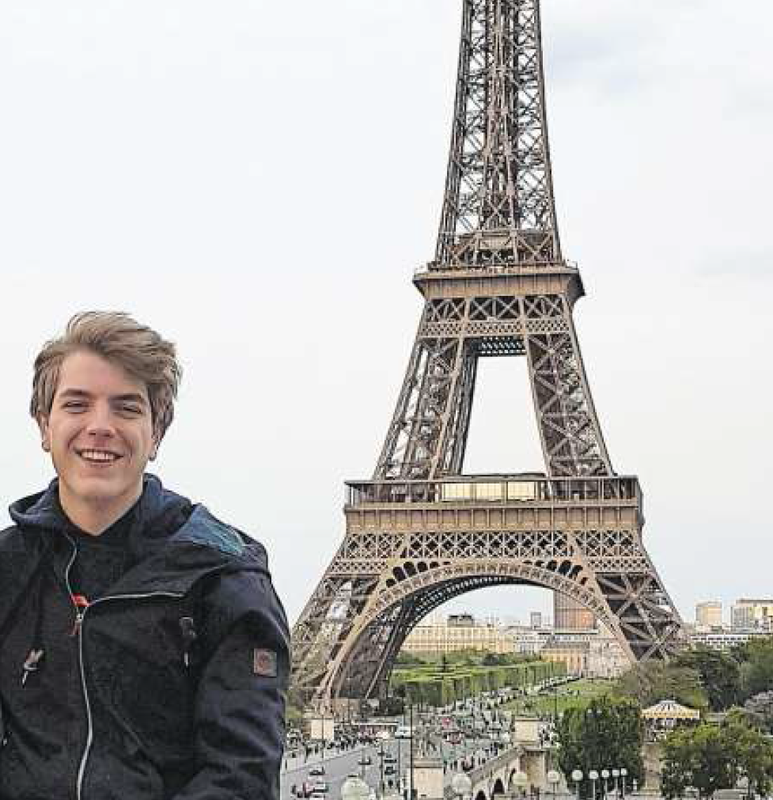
{"points": [[421, 532]]}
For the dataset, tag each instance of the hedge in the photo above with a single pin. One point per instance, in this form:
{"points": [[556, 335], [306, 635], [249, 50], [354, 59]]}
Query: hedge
{"points": [[428, 685]]}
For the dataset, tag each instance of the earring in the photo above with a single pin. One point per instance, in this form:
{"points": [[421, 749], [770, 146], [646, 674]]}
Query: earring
{"points": [[45, 445]]}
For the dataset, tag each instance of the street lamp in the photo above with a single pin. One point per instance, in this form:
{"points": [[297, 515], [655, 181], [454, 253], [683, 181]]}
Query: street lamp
{"points": [[410, 753], [355, 789], [461, 785], [623, 773], [577, 778], [605, 776], [381, 764], [594, 776], [553, 779], [616, 776]]}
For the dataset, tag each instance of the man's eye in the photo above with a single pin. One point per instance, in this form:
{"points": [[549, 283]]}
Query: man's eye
{"points": [[74, 405], [131, 409]]}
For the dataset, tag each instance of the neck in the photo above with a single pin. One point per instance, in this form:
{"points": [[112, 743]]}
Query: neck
{"points": [[95, 516]]}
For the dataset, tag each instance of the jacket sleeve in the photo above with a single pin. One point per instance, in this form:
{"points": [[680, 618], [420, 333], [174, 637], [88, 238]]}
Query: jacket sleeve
{"points": [[240, 701]]}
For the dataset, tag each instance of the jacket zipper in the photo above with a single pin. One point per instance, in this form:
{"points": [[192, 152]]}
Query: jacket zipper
{"points": [[80, 614], [79, 622]]}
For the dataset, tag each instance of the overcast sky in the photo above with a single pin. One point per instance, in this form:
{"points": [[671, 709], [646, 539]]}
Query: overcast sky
{"points": [[259, 180]]}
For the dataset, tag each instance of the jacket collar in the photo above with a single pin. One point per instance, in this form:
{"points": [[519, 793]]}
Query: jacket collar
{"points": [[202, 546], [173, 542]]}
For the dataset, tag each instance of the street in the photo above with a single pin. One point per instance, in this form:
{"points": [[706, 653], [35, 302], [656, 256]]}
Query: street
{"points": [[339, 765]]}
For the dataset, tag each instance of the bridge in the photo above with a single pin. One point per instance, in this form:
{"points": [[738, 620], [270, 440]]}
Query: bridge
{"points": [[520, 768], [498, 775]]}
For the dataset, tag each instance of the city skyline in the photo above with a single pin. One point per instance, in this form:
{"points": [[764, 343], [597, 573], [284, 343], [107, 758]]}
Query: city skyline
{"points": [[143, 174]]}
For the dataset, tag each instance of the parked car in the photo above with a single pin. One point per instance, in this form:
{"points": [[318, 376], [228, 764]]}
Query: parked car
{"points": [[389, 759], [365, 760], [318, 769], [319, 786]]}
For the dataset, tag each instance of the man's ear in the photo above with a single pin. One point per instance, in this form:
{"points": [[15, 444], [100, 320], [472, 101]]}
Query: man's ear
{"points": [[45, 436]]}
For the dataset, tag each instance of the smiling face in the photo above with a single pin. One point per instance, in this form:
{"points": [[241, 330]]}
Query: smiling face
{"points": [[99, 432]]}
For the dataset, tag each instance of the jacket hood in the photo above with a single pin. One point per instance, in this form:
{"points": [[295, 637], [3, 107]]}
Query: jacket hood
{"points": [[172, 541]]}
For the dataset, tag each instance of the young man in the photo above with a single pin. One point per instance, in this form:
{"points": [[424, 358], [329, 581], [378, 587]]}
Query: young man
{"points": [[143, 651]]}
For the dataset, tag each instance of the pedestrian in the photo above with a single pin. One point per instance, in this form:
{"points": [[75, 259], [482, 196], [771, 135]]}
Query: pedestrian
{"points": [[143, 650]]}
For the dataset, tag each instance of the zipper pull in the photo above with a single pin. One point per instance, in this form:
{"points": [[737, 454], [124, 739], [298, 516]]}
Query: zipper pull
{"points": [[77, 624], [81, 603], [31, 664]]}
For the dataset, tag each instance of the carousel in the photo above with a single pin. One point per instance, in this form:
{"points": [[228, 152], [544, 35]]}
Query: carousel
{"points": [[665, 716]]}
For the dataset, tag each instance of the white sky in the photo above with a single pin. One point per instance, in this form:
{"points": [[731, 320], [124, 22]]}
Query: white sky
{"points": [[258, 181]]}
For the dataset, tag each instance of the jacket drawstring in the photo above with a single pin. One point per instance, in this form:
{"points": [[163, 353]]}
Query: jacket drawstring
{"points": [[34, 660], [188, 630]]}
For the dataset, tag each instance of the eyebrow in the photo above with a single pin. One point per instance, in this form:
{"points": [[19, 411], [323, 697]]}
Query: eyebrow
{"points": [[132, 397]]}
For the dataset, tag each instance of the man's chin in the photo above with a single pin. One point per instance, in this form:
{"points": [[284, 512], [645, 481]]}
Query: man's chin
{"points": [[99, 490]]}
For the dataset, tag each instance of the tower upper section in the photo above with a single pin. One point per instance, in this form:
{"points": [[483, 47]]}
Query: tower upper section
{"points": [[498, 207]]}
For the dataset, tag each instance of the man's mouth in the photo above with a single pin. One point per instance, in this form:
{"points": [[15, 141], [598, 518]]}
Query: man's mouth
{"points": [[99, 456]]}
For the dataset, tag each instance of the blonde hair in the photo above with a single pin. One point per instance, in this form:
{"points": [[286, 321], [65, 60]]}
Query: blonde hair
{"points": [[117, 338]]}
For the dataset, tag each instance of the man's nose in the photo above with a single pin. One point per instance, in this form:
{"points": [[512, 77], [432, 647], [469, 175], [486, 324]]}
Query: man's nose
{"points": [[100, 422]]}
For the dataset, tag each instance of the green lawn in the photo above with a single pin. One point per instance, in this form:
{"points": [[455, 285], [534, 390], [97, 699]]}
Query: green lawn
{"points": [[576, 693]]}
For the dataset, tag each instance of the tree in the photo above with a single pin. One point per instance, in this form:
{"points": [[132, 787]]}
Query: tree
{"points": [[719, 673], [294, 707], [760, 709], [405, 659], [750, 751], [756, 666], [391, 706], [709, 758], [607, 734], [698, 758], [654, 681]]}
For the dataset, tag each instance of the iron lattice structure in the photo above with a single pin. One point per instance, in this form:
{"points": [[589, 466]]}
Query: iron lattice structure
{"points": [[421, 532]]}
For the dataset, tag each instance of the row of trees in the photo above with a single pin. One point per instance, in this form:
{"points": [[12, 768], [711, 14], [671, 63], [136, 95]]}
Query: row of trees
{"points": [[709, 680], [467, 658], [609, 734], [709, 757], [712, 757], [444, 684], [606, 734]]}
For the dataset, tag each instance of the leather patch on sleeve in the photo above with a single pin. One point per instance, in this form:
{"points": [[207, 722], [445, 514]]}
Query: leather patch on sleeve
{"points": [[264, 663]]}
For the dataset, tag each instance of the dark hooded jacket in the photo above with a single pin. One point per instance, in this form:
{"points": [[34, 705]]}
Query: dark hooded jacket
{"points": [[169, 686]]}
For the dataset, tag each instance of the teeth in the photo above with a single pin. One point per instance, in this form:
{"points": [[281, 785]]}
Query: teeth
{"points": [[98, 455]]}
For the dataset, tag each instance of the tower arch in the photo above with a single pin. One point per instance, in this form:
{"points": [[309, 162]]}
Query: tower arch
{"points": [[417, 596]]}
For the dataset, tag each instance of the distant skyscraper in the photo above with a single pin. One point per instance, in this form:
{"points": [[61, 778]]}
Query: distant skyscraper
{"points": [[748, 614], [569, 615], [535, 619], [708, 614]]}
